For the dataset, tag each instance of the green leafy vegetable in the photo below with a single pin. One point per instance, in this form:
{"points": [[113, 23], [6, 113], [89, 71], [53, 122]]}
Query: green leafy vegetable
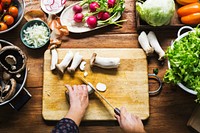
{"points": [[156, 12], [184, 58]]}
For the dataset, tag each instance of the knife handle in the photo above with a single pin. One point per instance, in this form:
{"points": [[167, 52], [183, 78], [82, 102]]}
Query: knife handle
{"points": [[117, 111]]}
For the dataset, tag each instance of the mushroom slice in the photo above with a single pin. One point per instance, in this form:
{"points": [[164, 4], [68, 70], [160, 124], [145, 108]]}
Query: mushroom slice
{"points": [[82, 65], [9, 90], [13, 59], [104, 62], [101, 87], [35, 14]]}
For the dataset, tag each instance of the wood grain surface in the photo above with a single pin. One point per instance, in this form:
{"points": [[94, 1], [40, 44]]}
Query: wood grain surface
{"points": [[169, 111], [126, 86]]}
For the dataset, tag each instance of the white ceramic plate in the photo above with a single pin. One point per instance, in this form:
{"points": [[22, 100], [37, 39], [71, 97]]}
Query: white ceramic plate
{"points": [[180, 84], [67, 17]]}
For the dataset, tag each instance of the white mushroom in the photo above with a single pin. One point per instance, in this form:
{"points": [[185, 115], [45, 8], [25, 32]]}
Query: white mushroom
{"points": [[144, 42], [155, 44], [104, 62], [101, 87], [82, 65], [76, 61], [64, 63], [54, 57]]}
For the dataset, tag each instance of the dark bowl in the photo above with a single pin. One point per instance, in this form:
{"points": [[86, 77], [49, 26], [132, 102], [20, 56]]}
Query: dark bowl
{"points": [[21, 8], [31, 24]]}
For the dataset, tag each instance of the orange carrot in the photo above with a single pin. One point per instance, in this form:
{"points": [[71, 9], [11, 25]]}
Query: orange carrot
{"points": [[191, 19], [188, 9]]}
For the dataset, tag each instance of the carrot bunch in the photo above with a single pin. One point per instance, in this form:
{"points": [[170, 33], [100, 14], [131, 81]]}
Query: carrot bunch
{"points": [[190, 13]]}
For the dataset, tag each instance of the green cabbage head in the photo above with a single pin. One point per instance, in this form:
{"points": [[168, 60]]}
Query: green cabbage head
{"points": [[156, 12]]}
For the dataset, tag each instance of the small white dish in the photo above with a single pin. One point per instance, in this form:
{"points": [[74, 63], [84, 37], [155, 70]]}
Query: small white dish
{"points": [[52, 6], [67, 19]]}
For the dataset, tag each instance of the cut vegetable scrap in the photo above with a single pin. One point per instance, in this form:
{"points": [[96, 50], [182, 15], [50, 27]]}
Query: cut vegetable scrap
{"points": [[101, 87]]}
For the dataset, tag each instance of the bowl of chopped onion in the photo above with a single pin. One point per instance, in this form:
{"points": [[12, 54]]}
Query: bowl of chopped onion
{"points": [[35, 34]]}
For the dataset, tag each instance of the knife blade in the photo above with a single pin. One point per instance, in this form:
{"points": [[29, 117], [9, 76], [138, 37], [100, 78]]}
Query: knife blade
{"points": [[116, 110]]}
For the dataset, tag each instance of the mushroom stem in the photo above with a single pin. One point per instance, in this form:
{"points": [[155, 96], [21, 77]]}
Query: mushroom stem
{"points": [[76, 61], [104, 62], [155, 44], [64, 63], [54, 57], [144, 42]]}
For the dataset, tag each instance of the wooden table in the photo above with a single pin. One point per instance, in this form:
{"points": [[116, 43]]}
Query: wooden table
{"points": [[169, 111]]}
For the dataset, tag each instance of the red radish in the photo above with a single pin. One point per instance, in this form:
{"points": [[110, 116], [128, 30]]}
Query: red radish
{"points": [[99, 15], [91, 21], [105, 16], [78, 17], [111, 3], [93, 6], [77, 9]]}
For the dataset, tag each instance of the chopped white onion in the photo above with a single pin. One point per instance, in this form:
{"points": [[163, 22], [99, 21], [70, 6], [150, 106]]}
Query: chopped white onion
{"points": [[36, 35]]}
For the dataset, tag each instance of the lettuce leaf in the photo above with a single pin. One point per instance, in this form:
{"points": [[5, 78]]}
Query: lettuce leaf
{"points": [[184, 58]]}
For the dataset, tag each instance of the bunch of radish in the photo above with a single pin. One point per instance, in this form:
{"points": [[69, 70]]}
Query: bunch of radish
{"points": [[99, 10]]}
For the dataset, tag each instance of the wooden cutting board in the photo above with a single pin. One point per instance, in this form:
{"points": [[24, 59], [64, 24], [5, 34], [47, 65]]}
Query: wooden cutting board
{"points": [[126, 86]]}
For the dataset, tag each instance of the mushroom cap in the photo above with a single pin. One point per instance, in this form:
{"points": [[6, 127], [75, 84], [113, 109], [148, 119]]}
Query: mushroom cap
{"points": [[19, 56]]}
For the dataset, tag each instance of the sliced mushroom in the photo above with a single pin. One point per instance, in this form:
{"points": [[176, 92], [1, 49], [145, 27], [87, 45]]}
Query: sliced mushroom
{"points": [[101, 87], [0, 46], [13, 59], [64, 63], [54, 57], [82, 65], [6, 76], [104, 62], [9, 90], [35, 14], [76, 61]]}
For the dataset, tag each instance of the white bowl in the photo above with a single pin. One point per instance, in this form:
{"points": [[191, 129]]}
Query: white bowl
{"points": [[177, 39]]}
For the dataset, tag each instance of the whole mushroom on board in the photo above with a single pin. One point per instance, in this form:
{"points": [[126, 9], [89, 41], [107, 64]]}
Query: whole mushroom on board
{"points": [[104, 62], [54, 57], [75, 62], [64, 63]]}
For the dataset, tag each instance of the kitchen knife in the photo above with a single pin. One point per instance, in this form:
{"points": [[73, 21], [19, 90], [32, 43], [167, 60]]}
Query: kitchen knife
{"points": [[116, 110]]}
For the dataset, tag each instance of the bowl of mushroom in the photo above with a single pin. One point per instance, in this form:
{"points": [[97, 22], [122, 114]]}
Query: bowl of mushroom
{"points": [[13, 74]]}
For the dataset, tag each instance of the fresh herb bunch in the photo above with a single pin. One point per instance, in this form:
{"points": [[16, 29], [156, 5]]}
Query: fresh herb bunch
{"points": [[184, 58], [112, 8]]}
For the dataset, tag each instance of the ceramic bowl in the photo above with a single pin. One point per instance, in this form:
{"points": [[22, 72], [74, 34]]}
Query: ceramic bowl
{"points": [[31, 24], [21, 8], [180, 36]]}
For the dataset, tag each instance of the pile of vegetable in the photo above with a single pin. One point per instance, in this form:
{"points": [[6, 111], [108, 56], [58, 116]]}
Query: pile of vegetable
{"points": [[190, 13], [8, 14], [156, 12], [36, 35], [184, 58], [100, 12]]}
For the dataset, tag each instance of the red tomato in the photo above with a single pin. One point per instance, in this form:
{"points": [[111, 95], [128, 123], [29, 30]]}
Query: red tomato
{"points": [[5, 3], [3, 26], [13, 11], [1, 9], [8, 19]]}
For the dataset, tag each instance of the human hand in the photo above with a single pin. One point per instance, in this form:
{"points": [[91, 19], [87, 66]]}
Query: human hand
{"points": [[78, 95], [129, 123]]}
